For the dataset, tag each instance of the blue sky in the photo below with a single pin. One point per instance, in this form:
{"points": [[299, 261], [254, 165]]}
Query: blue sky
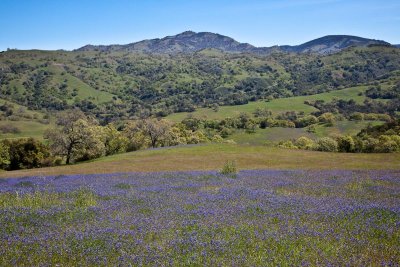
{"points": [[69, 24]]}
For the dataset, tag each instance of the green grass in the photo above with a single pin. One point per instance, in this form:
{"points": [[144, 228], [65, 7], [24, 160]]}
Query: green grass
{"points": [[343, 128], [261, 136], [213, 156], [276, 106], [28, 129], [84, 90], [21, 110], [81, 198]]}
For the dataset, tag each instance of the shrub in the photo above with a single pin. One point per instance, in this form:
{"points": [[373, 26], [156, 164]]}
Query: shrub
{"points": [[217, 139], [229, 168], [287, 144], [306, 121], [370, 144], [345, 144], [9, 128], [387, 144], [4, 156], [327, 118], [304, 143], [327, 144], [357, 116]]}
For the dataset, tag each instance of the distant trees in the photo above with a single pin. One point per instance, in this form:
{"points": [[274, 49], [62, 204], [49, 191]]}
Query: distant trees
{"points": [[378, 139]]}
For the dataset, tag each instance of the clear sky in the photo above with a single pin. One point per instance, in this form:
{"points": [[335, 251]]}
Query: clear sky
{"points": [[69, 24]]}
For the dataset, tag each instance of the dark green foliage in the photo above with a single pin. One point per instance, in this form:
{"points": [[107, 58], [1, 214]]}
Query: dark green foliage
{"points": [[389, 128], [349, 107], [345, 144], [25, 153], [377, 92]]}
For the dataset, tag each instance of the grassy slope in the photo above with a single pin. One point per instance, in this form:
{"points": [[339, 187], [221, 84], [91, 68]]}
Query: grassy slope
{"points": [[343, 128], [28, 129], [84, 90], [276, 105], [213, 156], [261, 136]]}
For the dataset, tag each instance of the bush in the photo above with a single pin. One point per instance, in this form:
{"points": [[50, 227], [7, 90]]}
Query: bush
{"points": [[306, 121], [327, 144], [217, 139], [327, 118], [229, 168], [287, 144], [357, 116], [345, 144], [9, 128], [387, 144], [304, 143], [4, 156]]}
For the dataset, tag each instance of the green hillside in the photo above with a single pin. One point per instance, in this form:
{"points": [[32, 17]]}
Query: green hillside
{"points": [[114, 85], [277, 105]]}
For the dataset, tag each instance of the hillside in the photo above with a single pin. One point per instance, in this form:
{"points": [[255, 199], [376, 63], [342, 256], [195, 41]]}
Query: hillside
{"points": [[118, 85], [332, 44]]}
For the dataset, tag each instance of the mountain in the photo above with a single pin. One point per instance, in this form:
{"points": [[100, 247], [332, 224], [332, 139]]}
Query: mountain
{"points": [[189, 42], [397, 45], [332, 44], [185, 42]]}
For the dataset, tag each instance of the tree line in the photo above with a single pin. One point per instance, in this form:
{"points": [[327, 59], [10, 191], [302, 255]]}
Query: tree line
{"points": [[78, 137]]}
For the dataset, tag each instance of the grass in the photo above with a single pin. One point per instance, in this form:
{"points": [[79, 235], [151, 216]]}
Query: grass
{"points": [[276, 134], [213, 156], [28, 129], [84, 90], [262, 136], [343, 128], [276, 106]]}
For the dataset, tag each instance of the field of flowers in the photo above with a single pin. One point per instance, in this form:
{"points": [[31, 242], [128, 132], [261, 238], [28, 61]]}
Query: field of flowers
{"points": [[254, 218]]}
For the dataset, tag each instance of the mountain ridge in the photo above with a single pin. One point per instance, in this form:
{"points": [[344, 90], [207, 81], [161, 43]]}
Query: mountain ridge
{"points": [[190, 41]]}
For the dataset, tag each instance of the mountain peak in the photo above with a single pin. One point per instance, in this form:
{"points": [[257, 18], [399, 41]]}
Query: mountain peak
{"points": [[190, 41], [186, 33]]}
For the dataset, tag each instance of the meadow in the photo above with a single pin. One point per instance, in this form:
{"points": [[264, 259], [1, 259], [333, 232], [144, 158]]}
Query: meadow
{"points": [[253, 218], [213, 156]]}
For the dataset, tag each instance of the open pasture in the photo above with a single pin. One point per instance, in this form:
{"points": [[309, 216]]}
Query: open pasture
{"points": [[213, 156]]}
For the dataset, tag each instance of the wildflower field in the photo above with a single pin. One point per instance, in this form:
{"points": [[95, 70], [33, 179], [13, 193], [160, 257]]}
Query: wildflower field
{"points": [[254, 218]]}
